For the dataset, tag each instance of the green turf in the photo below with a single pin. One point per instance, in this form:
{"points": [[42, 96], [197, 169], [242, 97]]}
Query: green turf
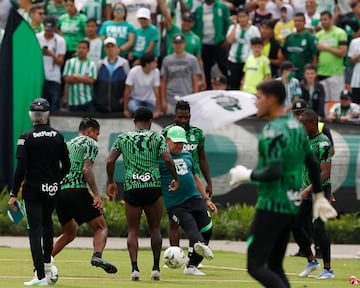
{"points": [[227, 270]]}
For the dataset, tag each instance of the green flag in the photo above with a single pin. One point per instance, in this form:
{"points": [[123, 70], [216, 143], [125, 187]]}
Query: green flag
{"points": [[21, 81]]}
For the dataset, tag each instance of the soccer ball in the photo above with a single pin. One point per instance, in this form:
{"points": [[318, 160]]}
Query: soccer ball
{"points": [[52, 275], [174, 257]]}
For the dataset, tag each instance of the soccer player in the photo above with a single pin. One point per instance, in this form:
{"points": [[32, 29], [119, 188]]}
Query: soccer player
{"points": [[43, 161], [141, 149], [75, 203], [196, 146], [187, 205], [321, 146], [283, 151]]}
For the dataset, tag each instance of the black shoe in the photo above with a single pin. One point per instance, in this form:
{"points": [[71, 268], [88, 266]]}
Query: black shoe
{"points": [[98, 262]]}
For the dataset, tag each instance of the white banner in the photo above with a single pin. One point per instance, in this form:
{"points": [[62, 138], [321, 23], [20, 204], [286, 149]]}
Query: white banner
{"points": [[216, 108]]}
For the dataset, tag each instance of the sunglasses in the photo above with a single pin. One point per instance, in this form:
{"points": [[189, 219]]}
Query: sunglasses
{"points": [[120, 9]]}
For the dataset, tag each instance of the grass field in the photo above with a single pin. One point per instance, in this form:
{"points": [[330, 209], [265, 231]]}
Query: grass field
{"points": [[227, 269]]}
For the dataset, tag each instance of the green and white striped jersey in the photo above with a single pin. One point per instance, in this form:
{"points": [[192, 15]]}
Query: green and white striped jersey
{"points": [[80, 93]]}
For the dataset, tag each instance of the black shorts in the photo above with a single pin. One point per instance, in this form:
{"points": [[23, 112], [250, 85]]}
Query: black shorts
{"points": [[75, 203], [143, 196], [193, 208]]}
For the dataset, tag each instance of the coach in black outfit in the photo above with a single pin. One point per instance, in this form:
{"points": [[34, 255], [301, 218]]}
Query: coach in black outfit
{"points": [[43, 161]]}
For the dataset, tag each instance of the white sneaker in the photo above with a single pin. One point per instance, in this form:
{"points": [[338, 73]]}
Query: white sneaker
{"points": [[155, 275], [36, 282], [192, 270], [203, 250], [135, 275]]}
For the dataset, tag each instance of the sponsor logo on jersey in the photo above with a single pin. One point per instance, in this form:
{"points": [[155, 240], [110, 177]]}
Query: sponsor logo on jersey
{"points": [[44, 134], [143, 178], [294, 196], [51, 189], [190, 147]]}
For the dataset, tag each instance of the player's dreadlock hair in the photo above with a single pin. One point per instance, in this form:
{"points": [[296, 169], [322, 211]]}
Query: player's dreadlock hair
{"points": [[182, 105], [89, 122]]}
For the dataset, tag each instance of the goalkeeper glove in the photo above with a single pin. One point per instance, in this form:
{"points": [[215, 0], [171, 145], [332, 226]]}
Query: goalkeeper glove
{"points": [[323, 208], [239, 174]]}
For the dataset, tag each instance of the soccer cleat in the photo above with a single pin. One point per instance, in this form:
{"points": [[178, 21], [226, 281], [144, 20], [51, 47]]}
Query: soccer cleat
{"points": [[135, 275], [98, 262], [155, 275], [192, 270], [200, 266], [326, 274], [203, 250], [37, 282], [311, 266]]}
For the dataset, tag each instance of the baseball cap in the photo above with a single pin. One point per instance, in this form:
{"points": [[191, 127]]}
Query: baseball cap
{"points": [[299, 105], [187, 16], [287, 65], [40, 104], [177, 134], [345, 94], [49, 23], [178, 38], [220, 80], [110, 40], [143, 13]]}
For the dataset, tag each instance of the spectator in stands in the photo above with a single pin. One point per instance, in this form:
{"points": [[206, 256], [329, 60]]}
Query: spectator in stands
{"points": [[219, 82], [271, 48], [24, 8], [212, 21], [312, 17], [354, 59], [110, 81], [179, 75], [332, 46], [146, 37], [328, 5], [120, 29], [238, 36], [312, 90], [133, 7], [80, 74], [72, 27], [56, 8], [143, 87], [292, 85], [260, 14], [95, 9], [37, 14], [256, 68], [283, 27], [192, 41], [299, 47], [274, 6], [96, 43], [54, 49], [351, 24], [345, 110]]}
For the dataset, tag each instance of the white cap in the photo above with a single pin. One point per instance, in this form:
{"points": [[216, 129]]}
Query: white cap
{"points": [[143, 13], [110, 40]]}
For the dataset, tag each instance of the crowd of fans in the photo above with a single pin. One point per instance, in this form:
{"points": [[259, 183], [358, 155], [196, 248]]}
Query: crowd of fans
{"points": [[116, 56]]}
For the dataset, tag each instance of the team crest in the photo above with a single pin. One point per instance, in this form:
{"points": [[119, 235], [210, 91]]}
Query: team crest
{"points": [[227, 102]]}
